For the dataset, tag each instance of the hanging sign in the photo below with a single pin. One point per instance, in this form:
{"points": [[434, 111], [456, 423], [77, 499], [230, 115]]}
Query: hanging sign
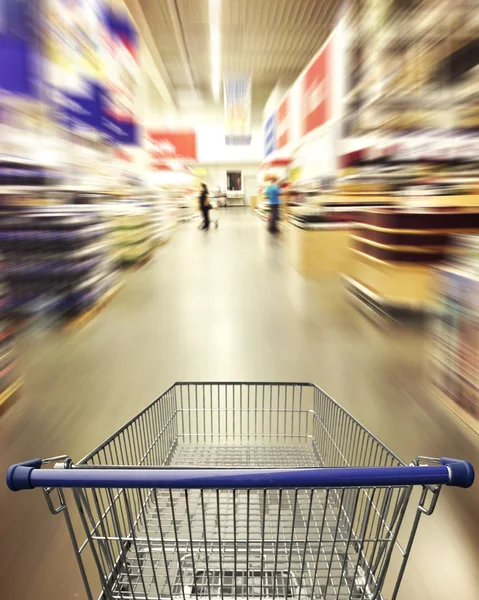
{"points": [[270, 135], [237, 95], [72, 62], [283, 117], [317, 107], [173, 145], [123, 77], [20, 48]]}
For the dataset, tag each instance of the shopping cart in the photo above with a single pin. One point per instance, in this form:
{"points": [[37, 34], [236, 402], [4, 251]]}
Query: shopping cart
{"points": [[239, 490], [214, 214]]}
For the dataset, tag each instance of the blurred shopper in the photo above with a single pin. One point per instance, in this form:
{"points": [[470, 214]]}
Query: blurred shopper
{"points": [[205, 206], [272, 194]]}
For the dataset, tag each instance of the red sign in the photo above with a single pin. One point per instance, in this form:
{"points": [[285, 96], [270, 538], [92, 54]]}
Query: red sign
{"points": [[168, 165], [175, 145], [277, 162], [317, 107], [283, 127], [121, 154]]}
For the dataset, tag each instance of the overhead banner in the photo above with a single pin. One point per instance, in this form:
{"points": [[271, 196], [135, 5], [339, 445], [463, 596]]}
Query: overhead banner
{"points": [[72, 62], [171, 145], [92, 68], [20, 48], [296, 110], [283, 118], [314, 100], [317, 81], [122, 77], [237, 97], [270, 135]]}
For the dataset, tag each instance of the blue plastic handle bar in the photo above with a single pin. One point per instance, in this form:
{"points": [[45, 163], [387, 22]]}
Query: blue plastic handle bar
{"points": [[453, 472]]}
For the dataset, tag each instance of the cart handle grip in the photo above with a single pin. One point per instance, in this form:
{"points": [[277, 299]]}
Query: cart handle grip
{"points": [[459, 473]]}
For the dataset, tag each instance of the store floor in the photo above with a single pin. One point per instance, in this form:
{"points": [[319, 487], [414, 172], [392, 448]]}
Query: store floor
{"points": [[224, 305]]}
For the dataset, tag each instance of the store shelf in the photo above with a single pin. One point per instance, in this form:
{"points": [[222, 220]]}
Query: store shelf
{"points": [[395, 252], [395, 284], [57, 261], [317, 250], [454, 335], [83, 319], [388, 305]]}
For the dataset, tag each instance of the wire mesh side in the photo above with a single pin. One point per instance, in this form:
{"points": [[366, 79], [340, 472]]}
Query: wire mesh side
{"points": [[188, 544], [246, 414], [238, 543], [109, 517], [149, 439], [241, 413], [323, 544], [341, 441]]}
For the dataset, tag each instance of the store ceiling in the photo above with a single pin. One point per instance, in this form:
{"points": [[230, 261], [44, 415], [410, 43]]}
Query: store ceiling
{"points": [[270, 39]]}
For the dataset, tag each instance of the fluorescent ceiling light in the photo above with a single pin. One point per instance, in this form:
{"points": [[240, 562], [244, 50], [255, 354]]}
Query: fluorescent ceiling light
{"points": [[215, 46]]}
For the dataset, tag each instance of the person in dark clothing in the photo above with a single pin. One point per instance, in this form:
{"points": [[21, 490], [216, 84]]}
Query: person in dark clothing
{"points": [[205, 206]]}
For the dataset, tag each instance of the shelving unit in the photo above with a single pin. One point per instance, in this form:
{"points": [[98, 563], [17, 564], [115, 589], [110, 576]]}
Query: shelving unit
{"points": [[10, 379], [403, 61], [57, 261], [64, 244], [395, 252], [182, 202], [322, 222], [133, 234], [162, 216], [454, 347], [406, 211], [317, 249]]}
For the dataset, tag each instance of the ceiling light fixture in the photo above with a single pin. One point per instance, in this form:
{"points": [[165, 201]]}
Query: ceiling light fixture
{"points": [[215, 46]]}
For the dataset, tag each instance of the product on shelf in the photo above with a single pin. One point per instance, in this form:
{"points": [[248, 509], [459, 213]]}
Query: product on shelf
{"points": [[17, 173], [161, 211], [395, 251], [181, 203], [455, 329], [133, 233], [10, 379], [57, 260]]}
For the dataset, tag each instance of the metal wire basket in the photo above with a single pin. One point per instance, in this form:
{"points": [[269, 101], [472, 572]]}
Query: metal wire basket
{"points": [[239, 490]]}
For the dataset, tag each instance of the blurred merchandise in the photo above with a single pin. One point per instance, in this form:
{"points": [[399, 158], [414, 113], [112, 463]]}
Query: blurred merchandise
{"points": [[455, 330], [411, 67], [57, 261], [159, 206], [186, 204], [10, 379], [395, 252], [133, 234]]}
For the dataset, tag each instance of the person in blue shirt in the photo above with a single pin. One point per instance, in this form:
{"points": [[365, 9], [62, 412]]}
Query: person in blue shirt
{"points": [[272, 194]]}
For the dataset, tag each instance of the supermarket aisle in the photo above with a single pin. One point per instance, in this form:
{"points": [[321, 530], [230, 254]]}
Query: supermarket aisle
{"points": [[225, 306]]}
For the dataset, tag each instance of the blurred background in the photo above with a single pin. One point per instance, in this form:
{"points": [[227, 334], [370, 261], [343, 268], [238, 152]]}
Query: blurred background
{"points": [[364, 117]]}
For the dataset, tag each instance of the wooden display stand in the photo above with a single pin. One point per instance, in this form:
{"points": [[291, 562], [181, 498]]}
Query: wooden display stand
{"points": [[318, 252], [359, 200], [464, 201], [397, 285], [394, 253]]}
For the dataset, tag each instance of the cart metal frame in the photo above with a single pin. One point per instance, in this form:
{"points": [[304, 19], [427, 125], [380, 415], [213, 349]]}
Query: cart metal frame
{"points": [[242, 490]]}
